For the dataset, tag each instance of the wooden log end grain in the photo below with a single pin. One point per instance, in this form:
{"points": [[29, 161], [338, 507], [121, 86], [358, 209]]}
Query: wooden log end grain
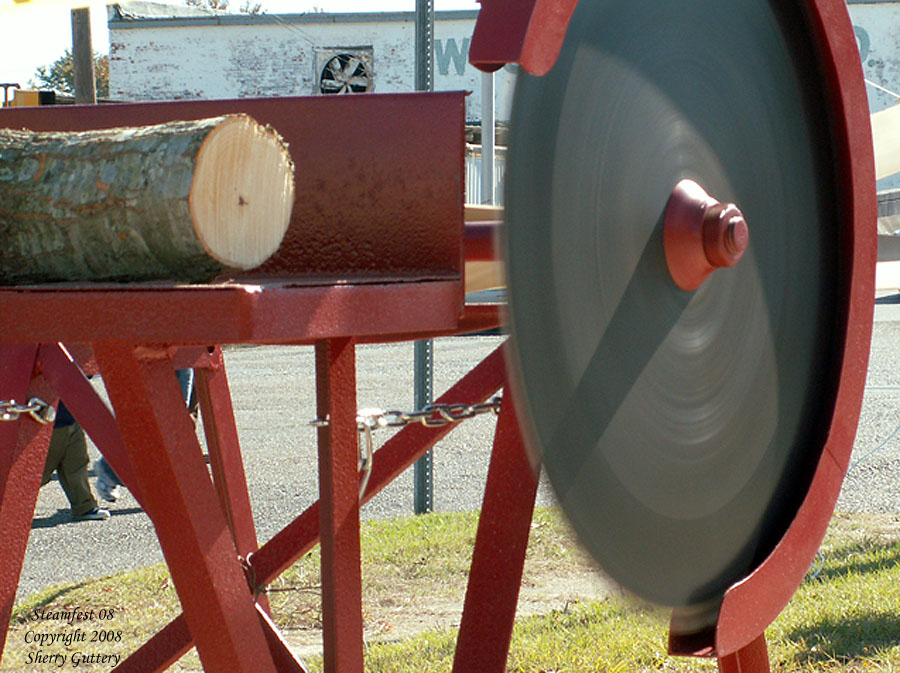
{"points": [[183, 201], [228, 206]]}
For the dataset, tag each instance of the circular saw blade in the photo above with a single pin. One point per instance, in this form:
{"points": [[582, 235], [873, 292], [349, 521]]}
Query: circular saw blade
{"points": [[679, 428]]}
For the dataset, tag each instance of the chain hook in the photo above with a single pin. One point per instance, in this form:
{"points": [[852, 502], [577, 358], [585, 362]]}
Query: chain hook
{"points": [[367, 420], [431, 416]]}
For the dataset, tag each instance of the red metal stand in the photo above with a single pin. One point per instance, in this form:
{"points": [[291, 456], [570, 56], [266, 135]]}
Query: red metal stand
{"points": [[339, 506], [182, 502], [302, 534], [214, 398], [752, 658], [499, 556], [23, 450], [343, 277]]}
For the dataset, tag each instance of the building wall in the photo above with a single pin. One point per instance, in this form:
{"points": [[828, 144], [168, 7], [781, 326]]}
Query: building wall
{"points": [[877, 27], [198, 58]]}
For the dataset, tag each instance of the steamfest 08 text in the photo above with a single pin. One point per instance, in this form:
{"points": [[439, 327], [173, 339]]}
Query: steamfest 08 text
{"points": [[72, 637]]}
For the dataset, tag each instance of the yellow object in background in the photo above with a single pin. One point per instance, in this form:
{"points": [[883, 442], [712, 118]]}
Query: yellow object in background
{"points": [[22, 6], [32, 98]]}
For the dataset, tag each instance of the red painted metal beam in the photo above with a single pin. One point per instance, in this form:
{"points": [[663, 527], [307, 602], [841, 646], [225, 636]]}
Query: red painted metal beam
{"points": [[23, 451], [302, 534], [227, 466], [481, 241], [342, 630], [182, 502], [89, 410], [271, 312], [752, 658], [286, 661], [475, 318], [499, 557], [195, 357], [527, 32], [226, 462], [161, 651]]}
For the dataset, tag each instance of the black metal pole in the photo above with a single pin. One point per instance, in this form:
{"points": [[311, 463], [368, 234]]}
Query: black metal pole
{"points": [[423, 366], [423, 469]]}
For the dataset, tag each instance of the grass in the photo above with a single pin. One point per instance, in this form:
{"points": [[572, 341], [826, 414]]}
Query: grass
{"points": [[845, 620]]}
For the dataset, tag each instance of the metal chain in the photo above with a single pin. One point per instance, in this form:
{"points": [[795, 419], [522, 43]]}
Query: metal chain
{"points": [[43, 413], [438, 415], [431, 416]]}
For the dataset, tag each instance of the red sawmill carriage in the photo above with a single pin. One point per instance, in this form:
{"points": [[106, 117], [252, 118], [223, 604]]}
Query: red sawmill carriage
{"points": [[689, 249]]}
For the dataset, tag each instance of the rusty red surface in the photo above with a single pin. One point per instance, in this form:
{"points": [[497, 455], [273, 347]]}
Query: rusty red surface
{"points": [[269, 312], [301, 535], [750, 606], [481, 241], [498, 560], [342, 627], [23, 451], [379, 179], [181, 501], [225, 461], [527, 32], [751, 658]]}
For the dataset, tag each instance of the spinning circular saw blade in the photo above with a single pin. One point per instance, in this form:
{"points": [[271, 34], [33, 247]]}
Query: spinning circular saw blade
{"points": [[680, 427]]}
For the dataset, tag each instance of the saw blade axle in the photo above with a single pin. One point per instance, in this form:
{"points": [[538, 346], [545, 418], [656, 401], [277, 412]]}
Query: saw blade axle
{"points": [[701, 234]]}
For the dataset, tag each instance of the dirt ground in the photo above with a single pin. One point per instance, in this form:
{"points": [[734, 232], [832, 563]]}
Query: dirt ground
{"points": [[545, 587]]}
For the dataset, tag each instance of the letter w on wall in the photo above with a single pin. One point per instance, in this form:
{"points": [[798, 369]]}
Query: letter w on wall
{"points": [[446, 51]]}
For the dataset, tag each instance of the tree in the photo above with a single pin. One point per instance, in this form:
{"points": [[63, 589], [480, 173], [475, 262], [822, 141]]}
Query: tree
{"points": [[60, 75]]}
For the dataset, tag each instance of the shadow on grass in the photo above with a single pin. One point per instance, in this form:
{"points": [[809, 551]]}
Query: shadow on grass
{"points": [[46, 597], [846, 638], [852, 559]]}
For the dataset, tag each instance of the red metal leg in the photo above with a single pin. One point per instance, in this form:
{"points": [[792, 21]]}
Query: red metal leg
{"points": [[182, 502], [285, 660], [302, 534], [23, 450], [225, 458], [752, 658], [499, 556], [161, 651], [339, 509], [91, 412]]}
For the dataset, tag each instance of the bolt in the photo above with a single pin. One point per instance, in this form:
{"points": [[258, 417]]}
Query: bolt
{"points": [[737, 236]]}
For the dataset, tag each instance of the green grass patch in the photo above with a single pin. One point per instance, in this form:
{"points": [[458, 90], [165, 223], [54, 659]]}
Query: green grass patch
{"points": [[845, 620]]}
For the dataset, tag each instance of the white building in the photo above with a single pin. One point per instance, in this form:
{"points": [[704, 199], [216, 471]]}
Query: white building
{"points": [[877, 27], [167, 52]]}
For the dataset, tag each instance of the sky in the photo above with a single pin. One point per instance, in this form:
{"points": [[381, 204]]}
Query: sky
{"points": [[39, 32]]}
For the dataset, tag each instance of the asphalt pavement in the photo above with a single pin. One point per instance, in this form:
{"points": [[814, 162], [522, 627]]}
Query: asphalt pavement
{"points": [[273, 397]]}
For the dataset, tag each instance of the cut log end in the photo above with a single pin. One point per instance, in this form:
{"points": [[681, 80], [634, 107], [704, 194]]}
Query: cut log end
{"points": [[242, 193], [183, 201]]}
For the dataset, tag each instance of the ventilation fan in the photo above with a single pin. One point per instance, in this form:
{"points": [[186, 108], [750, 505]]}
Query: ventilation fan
{"points": [[345, 73]]}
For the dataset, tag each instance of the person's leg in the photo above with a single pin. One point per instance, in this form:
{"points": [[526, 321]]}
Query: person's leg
{"points": [[108, 482], [73, 473], [55, 453]]}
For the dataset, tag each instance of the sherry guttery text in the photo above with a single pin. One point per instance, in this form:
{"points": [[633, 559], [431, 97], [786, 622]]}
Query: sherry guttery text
{"points": [[84, 641]]}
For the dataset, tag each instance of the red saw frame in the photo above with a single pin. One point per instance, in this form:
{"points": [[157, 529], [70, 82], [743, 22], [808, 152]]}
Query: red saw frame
{"points": [[140, 334]]}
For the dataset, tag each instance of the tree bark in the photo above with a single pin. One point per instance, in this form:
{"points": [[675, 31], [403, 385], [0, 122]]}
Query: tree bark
{"points": [[183, 201]]}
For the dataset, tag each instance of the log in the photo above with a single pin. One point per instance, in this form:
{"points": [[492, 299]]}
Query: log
{"points": [[184, 201], [886, 141], [484, 275]]}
